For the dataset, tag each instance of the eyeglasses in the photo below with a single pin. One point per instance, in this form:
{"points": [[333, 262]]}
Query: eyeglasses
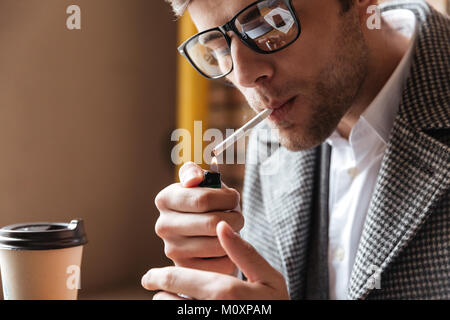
{"points": [[265, 26]]}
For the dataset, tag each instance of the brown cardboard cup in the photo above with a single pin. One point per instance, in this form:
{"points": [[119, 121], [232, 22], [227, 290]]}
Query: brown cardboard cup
{"points": [[41, 261]]}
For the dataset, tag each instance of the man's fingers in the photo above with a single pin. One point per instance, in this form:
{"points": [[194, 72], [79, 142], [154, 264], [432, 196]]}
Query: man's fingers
{"points": [[191, 175], [220, 264], [193, 283], [245, 257], [195, 224], [177, 198], [200, 247]]}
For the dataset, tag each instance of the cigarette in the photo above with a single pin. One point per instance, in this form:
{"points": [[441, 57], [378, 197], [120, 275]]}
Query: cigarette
{"points": [[221, 147]]}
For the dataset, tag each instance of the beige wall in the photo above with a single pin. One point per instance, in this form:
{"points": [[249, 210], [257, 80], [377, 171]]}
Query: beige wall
{"points": [[85, 122]]}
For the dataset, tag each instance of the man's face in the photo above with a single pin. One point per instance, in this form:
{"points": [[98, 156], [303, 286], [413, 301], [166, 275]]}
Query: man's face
{"points": [[312, 83]]}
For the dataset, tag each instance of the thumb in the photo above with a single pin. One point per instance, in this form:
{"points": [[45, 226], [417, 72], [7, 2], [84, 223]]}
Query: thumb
{"points": [[191, 175], [245, 257]]}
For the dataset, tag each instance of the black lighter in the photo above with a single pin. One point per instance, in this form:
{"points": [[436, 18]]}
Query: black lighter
{"points": [[212, 177], [211, 180]]}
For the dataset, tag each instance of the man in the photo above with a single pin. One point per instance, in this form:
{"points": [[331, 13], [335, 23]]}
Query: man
{"points": [[368, 219]]}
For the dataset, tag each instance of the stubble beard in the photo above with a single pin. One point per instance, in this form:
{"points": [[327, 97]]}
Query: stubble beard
{"points": [[336, 88]]}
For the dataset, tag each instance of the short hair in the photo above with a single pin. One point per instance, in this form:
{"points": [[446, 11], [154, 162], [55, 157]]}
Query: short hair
{"points": [[180, 6]]}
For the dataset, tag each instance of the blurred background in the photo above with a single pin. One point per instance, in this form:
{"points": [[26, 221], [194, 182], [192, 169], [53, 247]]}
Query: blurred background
{"points": [[85, 123]]}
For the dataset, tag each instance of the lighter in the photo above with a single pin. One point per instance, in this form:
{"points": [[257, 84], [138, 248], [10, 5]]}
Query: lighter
{"points": [[212, 176]]}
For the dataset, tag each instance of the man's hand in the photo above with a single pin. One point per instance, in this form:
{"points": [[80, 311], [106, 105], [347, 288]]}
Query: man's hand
{"points": [[188, 220], [264, 282]]}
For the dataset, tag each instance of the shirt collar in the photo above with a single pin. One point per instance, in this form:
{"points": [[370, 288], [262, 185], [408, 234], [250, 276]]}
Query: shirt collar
{"points": [[380, 114], [382, 111]]}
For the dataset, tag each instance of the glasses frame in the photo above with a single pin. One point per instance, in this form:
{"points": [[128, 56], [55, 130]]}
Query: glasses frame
{"points": [[231, 26]]}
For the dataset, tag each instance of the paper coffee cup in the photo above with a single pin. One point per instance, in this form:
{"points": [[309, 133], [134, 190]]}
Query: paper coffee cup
{"points": [[41, 261]]}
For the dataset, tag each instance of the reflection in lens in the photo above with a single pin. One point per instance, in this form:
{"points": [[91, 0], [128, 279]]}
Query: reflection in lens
{"points": [[210, 53], [269, 25]]}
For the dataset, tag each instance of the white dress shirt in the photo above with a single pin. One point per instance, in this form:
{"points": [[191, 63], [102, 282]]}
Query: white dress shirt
{"points": [[355, 164]]}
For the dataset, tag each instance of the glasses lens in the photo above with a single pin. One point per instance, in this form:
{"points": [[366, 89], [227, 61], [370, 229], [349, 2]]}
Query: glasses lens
{"points": [[269, 25], [210, 53]]}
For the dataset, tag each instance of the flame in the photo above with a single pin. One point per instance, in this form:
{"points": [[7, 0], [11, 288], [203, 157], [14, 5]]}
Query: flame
{"points": [[214, 167]]}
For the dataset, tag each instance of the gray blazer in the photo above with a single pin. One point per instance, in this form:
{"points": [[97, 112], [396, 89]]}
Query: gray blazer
{"points": [[405, 243]]}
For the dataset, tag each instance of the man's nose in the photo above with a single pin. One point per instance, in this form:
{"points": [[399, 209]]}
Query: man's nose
{"points": [[249, 67]]}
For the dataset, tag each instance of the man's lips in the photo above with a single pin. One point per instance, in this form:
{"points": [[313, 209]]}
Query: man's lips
{"points": [[281, 110]]}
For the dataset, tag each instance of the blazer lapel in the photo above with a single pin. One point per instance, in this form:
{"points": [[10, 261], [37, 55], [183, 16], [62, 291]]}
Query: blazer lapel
{"points": [[287, 186], [414, 175]]}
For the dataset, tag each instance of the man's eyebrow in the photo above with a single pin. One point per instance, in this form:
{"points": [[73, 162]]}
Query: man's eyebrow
{"points": [[209, 36], [251, 14]]}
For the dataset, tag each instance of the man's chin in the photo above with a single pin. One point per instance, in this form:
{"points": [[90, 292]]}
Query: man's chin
{"points": [[295, 140], [294, 146]]}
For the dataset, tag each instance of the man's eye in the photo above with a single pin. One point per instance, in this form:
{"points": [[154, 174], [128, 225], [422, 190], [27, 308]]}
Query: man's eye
{"points": [[218, 49]]}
